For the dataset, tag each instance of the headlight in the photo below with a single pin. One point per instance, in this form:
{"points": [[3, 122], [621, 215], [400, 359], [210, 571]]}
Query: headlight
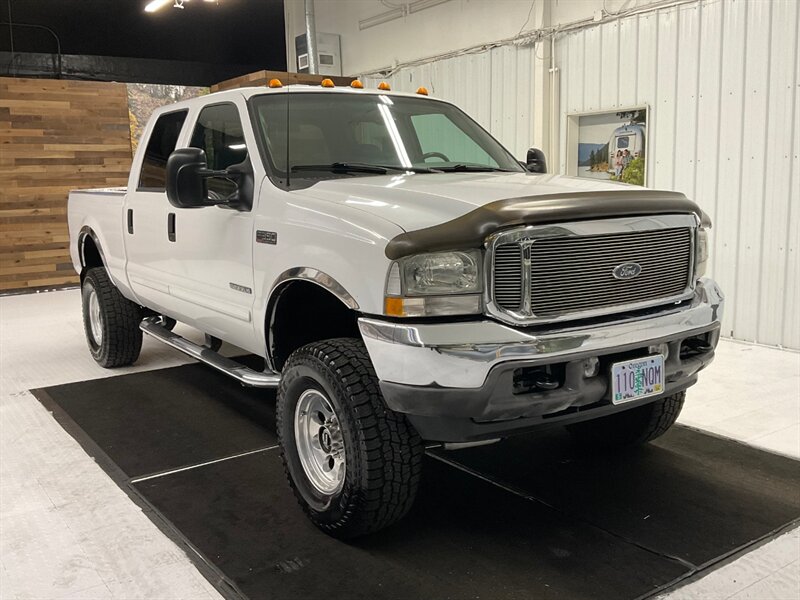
{"points": [[442, 273], [701, 253], [439, 283]]}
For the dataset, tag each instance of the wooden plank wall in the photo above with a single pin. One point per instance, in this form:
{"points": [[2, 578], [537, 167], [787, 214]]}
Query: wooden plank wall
{"points": [[261, 78], [55, 136]]}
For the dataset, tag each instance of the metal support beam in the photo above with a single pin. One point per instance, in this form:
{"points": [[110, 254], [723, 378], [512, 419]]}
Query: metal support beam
{"points": [[311, 38]]}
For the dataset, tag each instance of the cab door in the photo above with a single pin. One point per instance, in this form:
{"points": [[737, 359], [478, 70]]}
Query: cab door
{"points": [[211, 248], [148, 252]]}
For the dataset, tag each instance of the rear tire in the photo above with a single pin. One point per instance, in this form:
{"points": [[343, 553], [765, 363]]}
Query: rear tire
{"points": [[353, 464], [110, 321], [631, 427]]}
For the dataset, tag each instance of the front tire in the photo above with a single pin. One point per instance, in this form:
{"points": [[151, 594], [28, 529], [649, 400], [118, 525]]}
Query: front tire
{"points": [[353, 464], [110, 321], [631, 427]]}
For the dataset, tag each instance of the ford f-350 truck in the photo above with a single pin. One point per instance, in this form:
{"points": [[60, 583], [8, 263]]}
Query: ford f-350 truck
{"points": [[405, 279]]}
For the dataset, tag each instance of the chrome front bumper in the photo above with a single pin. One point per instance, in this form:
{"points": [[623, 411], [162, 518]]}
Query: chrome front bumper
{"points": [[458, 381], [461, 355]]}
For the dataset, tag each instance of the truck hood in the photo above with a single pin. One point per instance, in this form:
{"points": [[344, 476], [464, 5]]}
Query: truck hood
{"points": [[417, 201]]}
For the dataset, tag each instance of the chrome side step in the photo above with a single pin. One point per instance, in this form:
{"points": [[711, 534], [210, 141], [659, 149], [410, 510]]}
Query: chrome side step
{"points": [[238, 371]]}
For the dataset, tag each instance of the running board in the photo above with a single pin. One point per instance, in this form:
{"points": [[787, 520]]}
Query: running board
{"points": [[238, 371]]}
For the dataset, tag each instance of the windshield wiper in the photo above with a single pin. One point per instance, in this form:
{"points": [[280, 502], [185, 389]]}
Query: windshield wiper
{"points": [[353, 167], [343, 167], [463, 168]]}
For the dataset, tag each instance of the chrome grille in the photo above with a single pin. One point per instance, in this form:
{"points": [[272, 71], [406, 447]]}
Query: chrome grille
{"points": [[508, 276], [572, 275]]}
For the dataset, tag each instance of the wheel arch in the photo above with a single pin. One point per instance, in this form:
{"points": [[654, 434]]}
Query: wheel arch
{"points": [[90, 251], [288, 322]]}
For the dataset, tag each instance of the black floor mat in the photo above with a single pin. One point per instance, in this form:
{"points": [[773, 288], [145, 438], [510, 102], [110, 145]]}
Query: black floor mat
{"points": [[532, 517]]}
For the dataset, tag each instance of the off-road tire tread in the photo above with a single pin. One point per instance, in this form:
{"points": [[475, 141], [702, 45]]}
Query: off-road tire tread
{"points": [[632, 427], [391, 448], [122, 338]]}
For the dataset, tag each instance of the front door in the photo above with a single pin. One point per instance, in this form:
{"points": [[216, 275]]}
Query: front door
{"points": [[212, 247]]}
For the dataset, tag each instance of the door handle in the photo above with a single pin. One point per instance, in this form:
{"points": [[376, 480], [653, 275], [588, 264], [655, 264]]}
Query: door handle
{"points": [[130, 220], [171, 227]]}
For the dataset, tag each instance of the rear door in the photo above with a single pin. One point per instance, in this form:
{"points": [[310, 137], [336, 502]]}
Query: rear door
{"points": [[150, 259]]}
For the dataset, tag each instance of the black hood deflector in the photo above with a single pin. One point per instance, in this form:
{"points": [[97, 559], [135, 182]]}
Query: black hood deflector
{"points": [[470, 230]]}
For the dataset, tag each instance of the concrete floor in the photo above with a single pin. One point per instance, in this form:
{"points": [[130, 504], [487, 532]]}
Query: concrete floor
{"points": [[67, 531]]}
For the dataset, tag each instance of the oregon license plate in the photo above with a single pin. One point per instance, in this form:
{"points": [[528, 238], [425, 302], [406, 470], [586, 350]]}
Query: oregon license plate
{"points": [[634, 379]]}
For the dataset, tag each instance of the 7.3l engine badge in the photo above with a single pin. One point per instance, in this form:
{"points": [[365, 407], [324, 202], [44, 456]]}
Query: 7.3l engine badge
{"points": [[627, 270]]}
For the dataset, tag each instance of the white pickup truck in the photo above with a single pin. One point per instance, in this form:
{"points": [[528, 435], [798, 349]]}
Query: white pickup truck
{"points": [[404, 278]]}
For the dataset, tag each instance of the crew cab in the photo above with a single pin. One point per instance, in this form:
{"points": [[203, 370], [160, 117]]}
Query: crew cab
{"points": [[404, 278]]}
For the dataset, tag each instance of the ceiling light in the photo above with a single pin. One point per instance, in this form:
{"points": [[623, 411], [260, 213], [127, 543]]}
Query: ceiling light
{"points": [[155, 5]]}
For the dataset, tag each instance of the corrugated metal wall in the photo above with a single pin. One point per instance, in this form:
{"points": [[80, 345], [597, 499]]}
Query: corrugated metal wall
{"points": [[721, 80], [494, 87]]}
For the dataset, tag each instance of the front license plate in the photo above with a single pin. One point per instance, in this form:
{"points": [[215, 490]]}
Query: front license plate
{"points": [[634, 379]]}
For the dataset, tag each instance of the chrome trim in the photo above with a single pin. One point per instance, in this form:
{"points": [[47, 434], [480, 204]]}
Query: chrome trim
{"points": [[238, 371], [528, 234], [460, 355], [85, 232], [320, 278]]}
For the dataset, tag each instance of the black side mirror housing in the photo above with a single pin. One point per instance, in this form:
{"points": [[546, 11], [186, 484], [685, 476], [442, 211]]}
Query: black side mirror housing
{"points": [[186, 178], [187, 181], [536, 161]]}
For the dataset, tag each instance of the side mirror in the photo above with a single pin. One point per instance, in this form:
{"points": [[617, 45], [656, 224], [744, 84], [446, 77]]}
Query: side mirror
{"points": [[187, 170], [536, 161]]}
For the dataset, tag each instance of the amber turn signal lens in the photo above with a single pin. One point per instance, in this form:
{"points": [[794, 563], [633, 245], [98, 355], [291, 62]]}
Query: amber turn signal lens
{"points": [[356, 84], [384, 86], [393, 307], [327, 83], [422, 91], [275, 83]]}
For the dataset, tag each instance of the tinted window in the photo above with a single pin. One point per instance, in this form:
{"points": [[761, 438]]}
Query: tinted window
{"points": [[160, 145], [622, 142], [440, 139], [389, 131], [219, 133]]}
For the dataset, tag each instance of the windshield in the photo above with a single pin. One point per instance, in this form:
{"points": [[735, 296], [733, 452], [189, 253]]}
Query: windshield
{"points": [[345, 135]]}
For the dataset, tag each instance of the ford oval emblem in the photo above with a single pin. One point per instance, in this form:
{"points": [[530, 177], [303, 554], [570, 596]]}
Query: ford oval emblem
{"points": [[627, 270]]}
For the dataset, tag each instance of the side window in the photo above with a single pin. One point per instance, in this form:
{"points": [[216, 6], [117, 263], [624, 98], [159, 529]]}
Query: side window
{"points": [[219, 133], [153, 176], [437, 133]]}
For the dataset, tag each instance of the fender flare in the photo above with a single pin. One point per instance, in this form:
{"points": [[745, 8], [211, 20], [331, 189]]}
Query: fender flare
{"points": [[318, 277], [85, 232], [307, 274]]}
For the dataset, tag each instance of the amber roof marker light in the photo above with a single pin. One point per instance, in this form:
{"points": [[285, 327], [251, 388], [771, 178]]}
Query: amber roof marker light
{"points": [[275, 83], [356, 84], [384, 86], [327, 83], [422, 91]]}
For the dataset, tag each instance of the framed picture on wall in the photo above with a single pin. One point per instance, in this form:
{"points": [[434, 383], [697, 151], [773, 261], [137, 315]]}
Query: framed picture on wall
{"points": [[610, 145]]}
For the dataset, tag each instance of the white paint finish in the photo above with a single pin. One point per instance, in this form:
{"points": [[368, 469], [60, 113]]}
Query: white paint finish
{"points": [[757, 152], [779, 310], [721, 81], [661, 147], [686, 102]]}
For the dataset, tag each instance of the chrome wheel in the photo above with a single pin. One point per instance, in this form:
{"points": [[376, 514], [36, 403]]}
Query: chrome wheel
{"points": [[320, 445], [95, 320]]}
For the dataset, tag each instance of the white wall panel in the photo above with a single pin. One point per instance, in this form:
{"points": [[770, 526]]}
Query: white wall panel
{"points": [[721, 80]]}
